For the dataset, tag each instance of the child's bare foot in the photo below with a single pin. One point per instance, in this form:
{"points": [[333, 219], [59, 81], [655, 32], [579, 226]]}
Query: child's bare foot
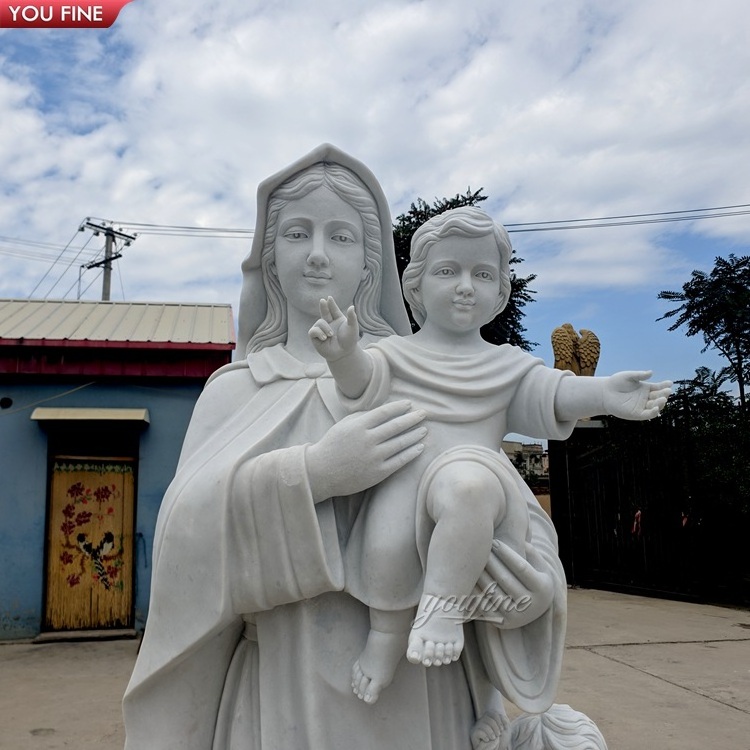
{"points": [[437, 635], [376, 666]]}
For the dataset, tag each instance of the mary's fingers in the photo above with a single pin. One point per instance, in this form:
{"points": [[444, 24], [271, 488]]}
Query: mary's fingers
{"points": [[486, 585], [390, 420], [402, 458], [502, 574], [383, 414], [404, 440], [524, 578], [537, 563]]}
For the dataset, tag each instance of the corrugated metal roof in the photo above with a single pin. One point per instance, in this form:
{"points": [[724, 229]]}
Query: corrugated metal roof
{"points": [[154, 322], [52, 414]]}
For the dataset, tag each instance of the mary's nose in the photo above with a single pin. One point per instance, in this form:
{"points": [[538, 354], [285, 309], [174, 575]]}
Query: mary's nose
{"points": [[318, 255]]}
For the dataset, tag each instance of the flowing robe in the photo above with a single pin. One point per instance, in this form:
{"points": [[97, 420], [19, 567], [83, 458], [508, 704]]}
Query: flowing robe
{"points": [[251, 636]]}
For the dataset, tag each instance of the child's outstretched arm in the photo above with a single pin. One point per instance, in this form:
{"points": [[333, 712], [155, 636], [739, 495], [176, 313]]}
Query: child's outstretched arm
{"points": [[627, 395], [336, 338]]}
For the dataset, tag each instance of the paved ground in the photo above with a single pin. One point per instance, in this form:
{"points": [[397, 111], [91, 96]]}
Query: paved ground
{"points": [[653, 674]]}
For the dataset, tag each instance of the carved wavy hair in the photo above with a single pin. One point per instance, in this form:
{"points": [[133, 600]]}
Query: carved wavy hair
{"points": [[347, 186], [467, 221]]}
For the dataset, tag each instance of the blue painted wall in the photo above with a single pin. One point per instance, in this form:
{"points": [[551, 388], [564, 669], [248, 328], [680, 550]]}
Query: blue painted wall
{"points": [[23, 483]]}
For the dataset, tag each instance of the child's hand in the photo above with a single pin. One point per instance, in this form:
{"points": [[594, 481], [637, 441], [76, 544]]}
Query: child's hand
{"points": [[335, 335], [627, 395]]}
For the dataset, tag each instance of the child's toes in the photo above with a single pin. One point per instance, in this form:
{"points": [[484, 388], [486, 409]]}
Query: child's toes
{"points": [[415, 650], [440, 655], [449, 654]]}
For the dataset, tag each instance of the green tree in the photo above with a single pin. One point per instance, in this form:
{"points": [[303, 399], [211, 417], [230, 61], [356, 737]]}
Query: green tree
{"points": [[702, 401], [506, 327], [717, 306], [720, 436]]}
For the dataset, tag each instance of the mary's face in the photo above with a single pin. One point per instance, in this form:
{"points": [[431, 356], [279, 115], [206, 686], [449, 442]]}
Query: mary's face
{"points": [[319, 251]]}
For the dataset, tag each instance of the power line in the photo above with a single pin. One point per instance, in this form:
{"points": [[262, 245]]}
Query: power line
{"points": [[608, 223], [654, 217], [182, 230], [31, 255], [34, 243], [53, 264], [66, 269], [635, 216]]}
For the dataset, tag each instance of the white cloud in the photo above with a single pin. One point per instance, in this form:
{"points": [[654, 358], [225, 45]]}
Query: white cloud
{"points": [[559, 110]]}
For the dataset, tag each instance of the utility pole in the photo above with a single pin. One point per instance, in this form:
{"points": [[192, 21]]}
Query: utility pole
{"points": [[110, 235]]}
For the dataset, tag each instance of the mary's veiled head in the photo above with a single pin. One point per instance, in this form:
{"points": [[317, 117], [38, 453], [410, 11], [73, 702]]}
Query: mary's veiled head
{"points": [[263, 305]]}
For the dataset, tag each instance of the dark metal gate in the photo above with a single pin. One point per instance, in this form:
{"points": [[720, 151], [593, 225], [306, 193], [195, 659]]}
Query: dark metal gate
{"points": [[632, 513]]}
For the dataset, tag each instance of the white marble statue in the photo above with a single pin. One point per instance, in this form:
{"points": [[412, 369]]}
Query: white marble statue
{"points": [[427, 557], [253, 625]]}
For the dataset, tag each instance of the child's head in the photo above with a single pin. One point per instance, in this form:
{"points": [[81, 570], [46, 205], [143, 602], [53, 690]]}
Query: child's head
{"points": [[468, 222]]}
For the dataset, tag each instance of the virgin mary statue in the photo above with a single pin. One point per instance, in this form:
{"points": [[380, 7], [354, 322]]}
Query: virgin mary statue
{"points": [[251, 633]]}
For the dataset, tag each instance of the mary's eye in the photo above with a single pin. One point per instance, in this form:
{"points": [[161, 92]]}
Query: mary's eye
{"points": [[484, 275], [295, 234], [444, 272], [342, 238]]}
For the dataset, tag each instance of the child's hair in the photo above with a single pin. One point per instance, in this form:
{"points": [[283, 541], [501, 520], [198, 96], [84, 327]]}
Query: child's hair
{"points": [[467, 221]]}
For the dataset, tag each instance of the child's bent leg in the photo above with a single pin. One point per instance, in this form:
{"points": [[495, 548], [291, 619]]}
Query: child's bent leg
{"points": [[466, 501], [386, 641]]}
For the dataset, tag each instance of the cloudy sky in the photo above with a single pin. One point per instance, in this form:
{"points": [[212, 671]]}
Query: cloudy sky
{"points": [[559, 110]]}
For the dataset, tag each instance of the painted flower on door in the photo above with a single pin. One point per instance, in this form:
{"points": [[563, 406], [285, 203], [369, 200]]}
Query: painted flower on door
{"points": [[90, 543]]}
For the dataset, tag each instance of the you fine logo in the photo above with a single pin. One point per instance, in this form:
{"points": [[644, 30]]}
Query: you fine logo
{"points": [[59, 14], [491, 605]]}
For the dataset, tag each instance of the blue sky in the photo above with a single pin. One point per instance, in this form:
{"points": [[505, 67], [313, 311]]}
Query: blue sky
{"points": [[558, 110]]}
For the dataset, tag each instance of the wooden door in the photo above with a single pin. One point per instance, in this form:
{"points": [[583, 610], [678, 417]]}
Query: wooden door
{"points": [[90, 544]]}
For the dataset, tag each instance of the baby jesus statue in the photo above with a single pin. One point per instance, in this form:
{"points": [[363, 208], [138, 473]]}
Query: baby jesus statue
{"points": [[425, 534]]}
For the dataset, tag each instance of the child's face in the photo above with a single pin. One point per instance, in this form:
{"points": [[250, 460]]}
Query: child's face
{"points": [[460, 286]]}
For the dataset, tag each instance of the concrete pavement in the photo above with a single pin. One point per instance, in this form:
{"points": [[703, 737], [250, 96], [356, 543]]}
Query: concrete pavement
{"points": [[653, 674]]}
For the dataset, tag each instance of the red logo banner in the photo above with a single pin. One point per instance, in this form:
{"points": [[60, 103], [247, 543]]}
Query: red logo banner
{"points": [[59, 14]]}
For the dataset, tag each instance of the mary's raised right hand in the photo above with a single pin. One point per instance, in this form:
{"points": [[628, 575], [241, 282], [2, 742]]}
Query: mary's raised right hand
{"points": [[364, 448]]}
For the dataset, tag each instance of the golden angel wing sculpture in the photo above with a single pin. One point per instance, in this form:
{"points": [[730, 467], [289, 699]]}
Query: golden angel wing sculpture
{"points": [[565, 348], [589, 349], [579, 354]]}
